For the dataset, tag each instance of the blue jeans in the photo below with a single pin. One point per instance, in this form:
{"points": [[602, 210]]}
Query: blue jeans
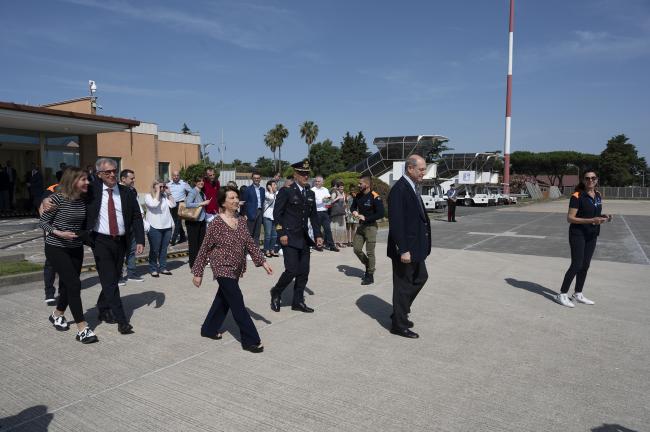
{"points": [[130, 259], [158, 243], [270, 236]]}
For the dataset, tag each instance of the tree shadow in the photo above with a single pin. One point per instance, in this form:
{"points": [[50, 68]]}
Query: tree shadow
{"points": [[376, 308], [350, 271], [35, 419], [130, 302], [611, 428], [532, 287]]}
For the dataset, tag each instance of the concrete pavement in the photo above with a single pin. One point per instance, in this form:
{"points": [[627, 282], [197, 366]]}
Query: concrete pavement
{"points": [[495, 353]]}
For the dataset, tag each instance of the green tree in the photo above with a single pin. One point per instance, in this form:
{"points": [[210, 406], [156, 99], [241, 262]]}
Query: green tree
{"points": [[620, 162], [266, 167], [354, 149], [439, 146], [274, 139], [191, 172], [325, 158], [270, 140], [309, 131]]}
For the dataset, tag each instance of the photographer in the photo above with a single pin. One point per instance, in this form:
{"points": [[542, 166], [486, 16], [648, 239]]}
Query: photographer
{"points": [[158, 203]]}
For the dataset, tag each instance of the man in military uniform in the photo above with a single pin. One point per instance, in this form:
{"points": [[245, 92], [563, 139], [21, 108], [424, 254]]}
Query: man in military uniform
{"points": [[294, 207], [368, 208]]}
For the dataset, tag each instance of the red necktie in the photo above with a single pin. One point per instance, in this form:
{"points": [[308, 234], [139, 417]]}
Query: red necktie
{"points": [[112, 215]]}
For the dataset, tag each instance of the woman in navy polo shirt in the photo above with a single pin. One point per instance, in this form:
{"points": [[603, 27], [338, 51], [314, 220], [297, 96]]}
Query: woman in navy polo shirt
{"points": [[585, 216]]}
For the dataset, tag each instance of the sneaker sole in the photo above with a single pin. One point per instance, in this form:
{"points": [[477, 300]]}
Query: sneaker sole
{"points": [[88, 340]]}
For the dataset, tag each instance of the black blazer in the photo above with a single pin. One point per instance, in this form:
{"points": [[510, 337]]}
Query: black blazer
{"points": [[409, 226], [291, 213], [133, 225]]}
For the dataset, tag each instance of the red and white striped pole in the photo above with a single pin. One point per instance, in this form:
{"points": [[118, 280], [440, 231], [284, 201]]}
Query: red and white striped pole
{"points": [[506, 168]]}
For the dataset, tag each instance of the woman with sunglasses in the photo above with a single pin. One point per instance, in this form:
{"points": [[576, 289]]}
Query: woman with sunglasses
{"points": [[585, 217]]}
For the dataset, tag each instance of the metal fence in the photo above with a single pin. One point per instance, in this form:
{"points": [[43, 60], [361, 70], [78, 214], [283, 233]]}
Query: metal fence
{"points": [[630, 192]]}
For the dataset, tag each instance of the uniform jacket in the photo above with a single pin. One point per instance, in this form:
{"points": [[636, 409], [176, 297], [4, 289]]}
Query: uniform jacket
{"points": [[292, 212], [370, 206], [133, 225], [250, 197], [409, 226]]}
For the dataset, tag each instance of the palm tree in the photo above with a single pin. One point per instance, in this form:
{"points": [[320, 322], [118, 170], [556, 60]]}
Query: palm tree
{"points": [[271, 142], [280, 133], [309, 131]]}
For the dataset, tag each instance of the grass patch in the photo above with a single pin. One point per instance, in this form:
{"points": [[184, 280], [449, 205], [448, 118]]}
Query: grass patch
{"points": [[12, 268]]}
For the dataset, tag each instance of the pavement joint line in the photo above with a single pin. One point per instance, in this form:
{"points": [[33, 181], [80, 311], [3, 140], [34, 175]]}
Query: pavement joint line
{"points": [[635, 240], [176, 363], [512, 229]]}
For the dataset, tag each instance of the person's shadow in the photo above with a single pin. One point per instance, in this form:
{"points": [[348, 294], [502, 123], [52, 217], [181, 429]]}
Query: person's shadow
{"points": [[376, 308], [230, 326], [611, 428], [37, 417], [350, 271], [130, 302], [532, 287]]}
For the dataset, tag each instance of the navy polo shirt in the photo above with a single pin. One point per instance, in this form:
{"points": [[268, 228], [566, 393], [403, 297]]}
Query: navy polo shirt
{"points": [[588, 207]]}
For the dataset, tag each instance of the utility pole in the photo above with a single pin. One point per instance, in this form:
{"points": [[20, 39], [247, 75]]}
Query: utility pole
{"points": [[506, 153], [222, 149]]}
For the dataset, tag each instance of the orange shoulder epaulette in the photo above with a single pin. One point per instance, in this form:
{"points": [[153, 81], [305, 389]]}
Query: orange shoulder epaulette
{"points": [[53, 187], [375, 194], [576, 194]]}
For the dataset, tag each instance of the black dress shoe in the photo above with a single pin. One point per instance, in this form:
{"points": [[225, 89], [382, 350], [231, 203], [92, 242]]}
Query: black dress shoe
{"points": [[125, 328], [302, 307], [254, 348], [409, 323], [107, 317], [275, 303], [368, 279], [405, 333], [334, 249], [218, 336]]}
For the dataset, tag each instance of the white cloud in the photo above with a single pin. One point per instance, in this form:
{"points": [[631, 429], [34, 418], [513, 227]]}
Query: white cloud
{"points": [[220, 23]]}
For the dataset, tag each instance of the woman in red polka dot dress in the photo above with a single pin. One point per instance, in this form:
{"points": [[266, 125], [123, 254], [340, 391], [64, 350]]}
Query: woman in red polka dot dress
{"points": [[226, 244]]}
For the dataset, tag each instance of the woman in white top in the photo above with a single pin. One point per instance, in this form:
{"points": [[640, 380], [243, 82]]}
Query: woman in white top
{"points": [[270, 234], [158, 203]]}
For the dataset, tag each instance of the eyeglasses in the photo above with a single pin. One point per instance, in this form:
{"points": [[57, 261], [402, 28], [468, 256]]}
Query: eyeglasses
{"points": [[594, 178], [108, 172]]}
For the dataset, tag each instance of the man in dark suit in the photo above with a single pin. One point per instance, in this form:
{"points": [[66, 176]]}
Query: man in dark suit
{"points": [[295, 205], [11, 174], [113, 216], [34, 180], [409, 243], [254, 207]]}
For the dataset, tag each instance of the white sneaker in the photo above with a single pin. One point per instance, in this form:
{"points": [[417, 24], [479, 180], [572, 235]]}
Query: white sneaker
{"points": [[581, 299], [86, 336], [59, 322], [563, 299]]}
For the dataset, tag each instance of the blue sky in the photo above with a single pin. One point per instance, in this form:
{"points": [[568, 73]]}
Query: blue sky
{"points": [[581, 68]]}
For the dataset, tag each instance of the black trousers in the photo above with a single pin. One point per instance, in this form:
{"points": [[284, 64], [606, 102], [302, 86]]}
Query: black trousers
{"points": [[67, 263], [49, 274], [109, 255], [408, 280], [229, 297], [178, 225], [324, 223], [195, 235], [255, 226], [582, 249], [296, 266], [451, 211]]}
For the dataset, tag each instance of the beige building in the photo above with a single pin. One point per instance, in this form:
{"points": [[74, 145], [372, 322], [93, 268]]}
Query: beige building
{"points": [[71, 132]]}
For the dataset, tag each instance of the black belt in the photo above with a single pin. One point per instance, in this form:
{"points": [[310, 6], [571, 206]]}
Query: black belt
{"points": [[110, 237]]}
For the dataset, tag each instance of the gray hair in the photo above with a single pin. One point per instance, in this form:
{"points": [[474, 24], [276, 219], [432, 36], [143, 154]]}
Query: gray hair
{"points": [[319, 177], [104, 161], [412, 161]]}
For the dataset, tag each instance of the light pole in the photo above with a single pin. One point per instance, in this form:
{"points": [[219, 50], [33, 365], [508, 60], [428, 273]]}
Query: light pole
{"points": [[204, 146]]}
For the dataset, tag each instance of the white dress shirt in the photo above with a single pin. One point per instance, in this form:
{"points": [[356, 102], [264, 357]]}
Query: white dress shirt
{"points": [[158, 214], [102, 225], [321, 194]]}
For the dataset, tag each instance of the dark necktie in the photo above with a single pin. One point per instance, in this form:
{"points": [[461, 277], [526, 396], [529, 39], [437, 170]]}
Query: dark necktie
{"points": [[112, 215]]}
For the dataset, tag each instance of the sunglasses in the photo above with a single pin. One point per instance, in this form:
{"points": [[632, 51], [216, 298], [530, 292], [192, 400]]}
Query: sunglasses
{"points": [[107, 172], [594, 178]]}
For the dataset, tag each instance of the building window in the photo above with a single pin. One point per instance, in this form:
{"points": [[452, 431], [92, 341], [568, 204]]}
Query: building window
{"points": [[163, 171], [59, 149]]}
